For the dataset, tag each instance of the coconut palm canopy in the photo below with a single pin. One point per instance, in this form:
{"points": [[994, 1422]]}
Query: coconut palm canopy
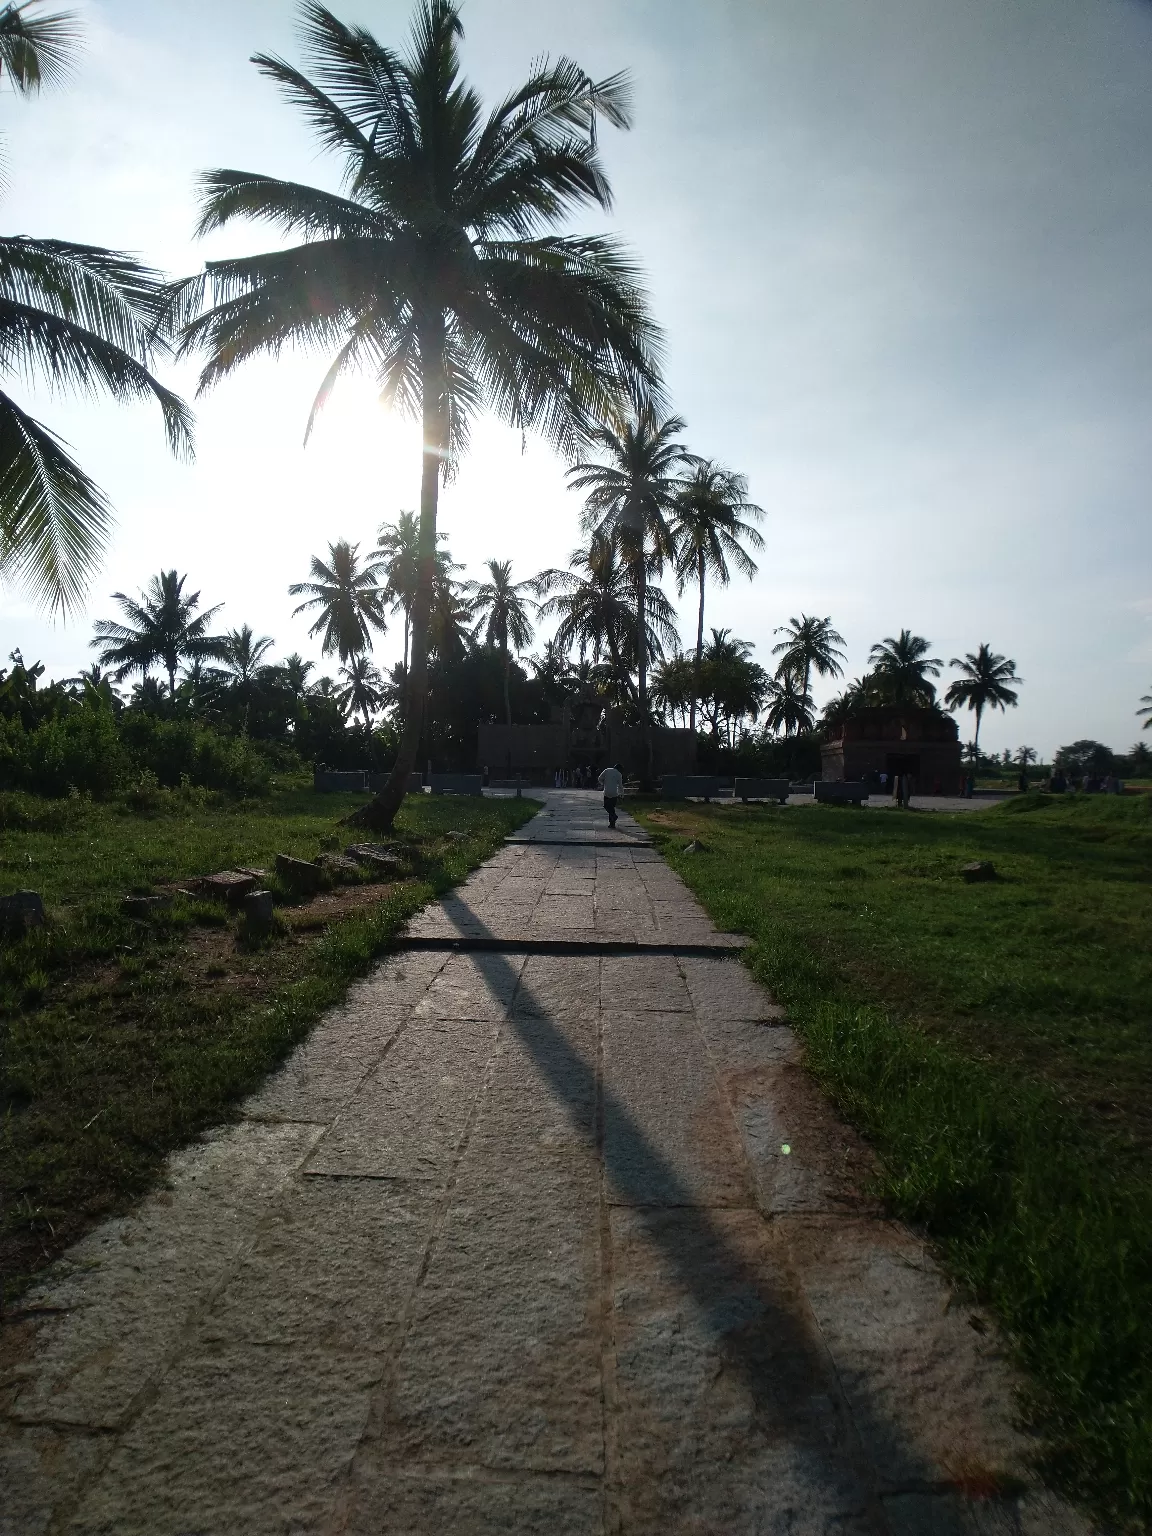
{"points": [[902, 669], [984, 684], [436, 266], [712, 521], [348, 597], [809, 645], [163, 627], [501, 606], [630, 492], [74, 317]]}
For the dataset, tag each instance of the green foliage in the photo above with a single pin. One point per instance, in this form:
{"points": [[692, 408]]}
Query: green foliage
{"points": [[992, 1041]]}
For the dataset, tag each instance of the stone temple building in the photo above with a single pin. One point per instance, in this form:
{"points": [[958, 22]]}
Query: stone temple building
{"points": [[920, 742], [576, 737]]}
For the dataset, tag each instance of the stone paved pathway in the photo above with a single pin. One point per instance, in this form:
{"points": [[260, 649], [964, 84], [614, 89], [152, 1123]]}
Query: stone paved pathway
{"points": [[520, 1241]]}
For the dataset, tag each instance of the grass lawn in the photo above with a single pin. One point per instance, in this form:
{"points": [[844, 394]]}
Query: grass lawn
{"points": [[121, 1039], [994, 1042]]}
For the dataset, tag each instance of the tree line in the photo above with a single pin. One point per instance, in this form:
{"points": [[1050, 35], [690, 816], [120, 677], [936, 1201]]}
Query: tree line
{"points": [[442, 267]]}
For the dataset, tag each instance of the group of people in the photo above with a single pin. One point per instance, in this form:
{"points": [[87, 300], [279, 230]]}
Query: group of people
{"points": [[1090, 784], [574, 778]]}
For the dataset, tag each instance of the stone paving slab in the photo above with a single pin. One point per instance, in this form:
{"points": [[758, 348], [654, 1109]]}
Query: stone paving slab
{"points": [[518, 1242]]}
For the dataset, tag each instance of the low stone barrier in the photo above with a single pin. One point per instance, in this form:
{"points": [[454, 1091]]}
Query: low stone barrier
{"points": [[330, 781], [761, 789], [456, 783], [840, 791], [690, 786]]}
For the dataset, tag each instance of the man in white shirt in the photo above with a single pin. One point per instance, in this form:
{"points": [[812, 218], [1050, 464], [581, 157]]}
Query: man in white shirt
{"points": [[611, 781]]}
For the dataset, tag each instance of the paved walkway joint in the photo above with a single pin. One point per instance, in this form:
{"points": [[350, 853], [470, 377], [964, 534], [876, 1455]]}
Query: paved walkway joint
{"points": [[534, 1236]]}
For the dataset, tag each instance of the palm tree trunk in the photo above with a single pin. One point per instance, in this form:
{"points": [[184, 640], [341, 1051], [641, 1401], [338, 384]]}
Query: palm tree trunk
{"points": [[699, 648], [976, 739], [642, 662], [381, 812], [172, 683], [507, 697]]}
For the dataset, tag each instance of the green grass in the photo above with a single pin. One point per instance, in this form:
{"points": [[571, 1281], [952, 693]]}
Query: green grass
{"points": [[993, 1041], [120, 1039]]}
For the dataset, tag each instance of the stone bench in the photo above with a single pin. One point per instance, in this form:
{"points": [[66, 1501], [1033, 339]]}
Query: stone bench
{"points": [[840, 792], [685, 786], [457, 783], [761, 789], [377, 781], [330, 781]]}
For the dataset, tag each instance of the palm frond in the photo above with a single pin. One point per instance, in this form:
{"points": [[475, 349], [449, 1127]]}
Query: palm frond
{"points": [[37, 50], [54, 521]]}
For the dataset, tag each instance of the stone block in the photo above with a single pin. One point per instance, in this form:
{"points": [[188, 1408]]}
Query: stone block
{"points": [[978, 869], [298, 873], [338, 868], [230, 885], [258, 909], [840, 792], [21, 911], [457, 783], [761, 789], [685, 786]]}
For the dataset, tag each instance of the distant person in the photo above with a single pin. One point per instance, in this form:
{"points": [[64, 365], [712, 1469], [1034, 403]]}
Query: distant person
{"points": [[611, 781], [883, 783], [970, 785], [898, 789]]}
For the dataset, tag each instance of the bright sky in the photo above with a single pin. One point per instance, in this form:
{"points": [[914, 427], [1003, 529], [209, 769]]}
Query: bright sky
{"points": [[900, 251]]}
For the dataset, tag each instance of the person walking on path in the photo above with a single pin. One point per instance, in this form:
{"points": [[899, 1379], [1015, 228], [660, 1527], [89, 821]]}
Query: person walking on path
{"points": [[611, 781]]}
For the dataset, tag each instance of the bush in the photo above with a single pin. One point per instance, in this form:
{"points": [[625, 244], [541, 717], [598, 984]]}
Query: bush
{"points": [[87, 750], [81, 750]]}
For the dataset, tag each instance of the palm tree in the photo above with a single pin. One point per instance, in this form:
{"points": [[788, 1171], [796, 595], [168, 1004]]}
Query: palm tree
{"points": [[242, 654], [295, 670], [809, 645], [595, 601], [399, 555], [435, 268], [502, 609], [363, 689], [162, 627], [709, 521], [1146, 711], [350, 603], [789, 704], [901, 668], [71, 315], [984, 684], [631, 496]]}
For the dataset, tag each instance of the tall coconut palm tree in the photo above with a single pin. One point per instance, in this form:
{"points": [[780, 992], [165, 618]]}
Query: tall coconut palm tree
{"points": [[630, 497], [241, 653], [595, 601], [901, 669], [1146, 711], [809, 645], [399, 555], [435, 267], [74, 316], [363, 689], [162, 627], [710, 527], [348, 597], [789, 704], [502, 609], [984, 684]]}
